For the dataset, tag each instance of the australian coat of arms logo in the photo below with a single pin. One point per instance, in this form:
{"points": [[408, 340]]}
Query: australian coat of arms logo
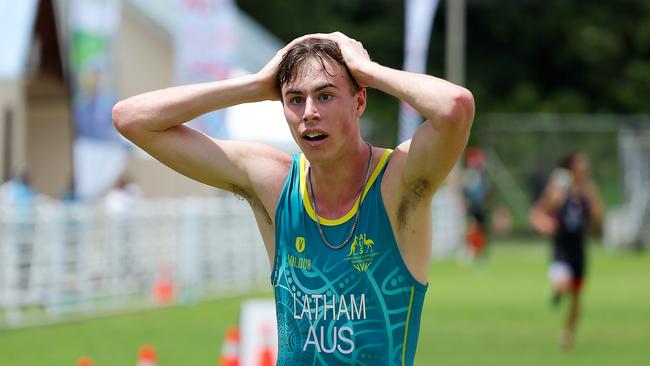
{"points": [[362, 251]]}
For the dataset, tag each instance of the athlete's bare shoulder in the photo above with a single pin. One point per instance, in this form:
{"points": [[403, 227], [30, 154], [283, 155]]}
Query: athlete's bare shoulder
{"points": [[266, 168]]}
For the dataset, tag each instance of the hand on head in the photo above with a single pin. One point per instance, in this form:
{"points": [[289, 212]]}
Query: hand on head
{"points": [[353, 52], [355, 55]]}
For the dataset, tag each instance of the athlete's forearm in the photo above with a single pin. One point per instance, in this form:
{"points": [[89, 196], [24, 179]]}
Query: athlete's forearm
{"points": [[437, 100], [541, 221], [166, 108], [441, 102]]}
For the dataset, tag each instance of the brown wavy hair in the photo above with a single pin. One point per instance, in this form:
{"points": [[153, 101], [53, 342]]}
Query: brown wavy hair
{"points": [[317, 48]]}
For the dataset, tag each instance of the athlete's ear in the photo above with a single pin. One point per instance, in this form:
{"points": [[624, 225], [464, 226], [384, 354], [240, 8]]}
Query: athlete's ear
{"points": [[360, 98]]}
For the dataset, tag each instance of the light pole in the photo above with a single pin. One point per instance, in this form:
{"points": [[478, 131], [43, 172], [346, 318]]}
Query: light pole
{"points": [[455, 42]]}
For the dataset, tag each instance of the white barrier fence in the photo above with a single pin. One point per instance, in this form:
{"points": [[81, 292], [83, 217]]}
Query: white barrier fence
{"points": [[59, 260]]}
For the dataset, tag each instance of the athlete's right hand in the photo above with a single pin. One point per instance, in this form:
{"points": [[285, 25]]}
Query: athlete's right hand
{"points": [[268, 74], [544, 224]]}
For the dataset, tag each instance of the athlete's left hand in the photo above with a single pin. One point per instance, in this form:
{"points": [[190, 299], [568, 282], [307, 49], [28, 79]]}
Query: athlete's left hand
{"points": [[356, 57]]}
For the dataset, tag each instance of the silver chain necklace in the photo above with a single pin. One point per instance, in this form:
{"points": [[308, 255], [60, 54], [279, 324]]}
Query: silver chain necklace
{"points": [[356, 215]]}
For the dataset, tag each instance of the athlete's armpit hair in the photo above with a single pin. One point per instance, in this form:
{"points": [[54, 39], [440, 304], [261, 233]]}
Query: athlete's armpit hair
{"points": [[239, 193], [415, 193], [253, 201]]}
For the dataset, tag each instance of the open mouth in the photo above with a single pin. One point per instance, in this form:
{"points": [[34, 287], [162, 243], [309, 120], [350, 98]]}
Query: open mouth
{"points": [[315, 136]]}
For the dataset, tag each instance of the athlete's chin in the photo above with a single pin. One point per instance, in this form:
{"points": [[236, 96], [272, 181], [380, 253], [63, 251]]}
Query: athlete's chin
{"points": [[316, 150], [323, 152]]}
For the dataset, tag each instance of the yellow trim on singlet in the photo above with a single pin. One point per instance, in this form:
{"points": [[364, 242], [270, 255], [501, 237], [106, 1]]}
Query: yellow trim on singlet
{"points": [[406, 330], [331, 222]]}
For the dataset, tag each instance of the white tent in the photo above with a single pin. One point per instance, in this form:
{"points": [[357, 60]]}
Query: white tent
{"points": [[16, 23]]}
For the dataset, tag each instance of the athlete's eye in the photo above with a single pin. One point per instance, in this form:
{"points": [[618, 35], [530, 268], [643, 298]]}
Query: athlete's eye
{"points": [[326, 97], [296, 100]]}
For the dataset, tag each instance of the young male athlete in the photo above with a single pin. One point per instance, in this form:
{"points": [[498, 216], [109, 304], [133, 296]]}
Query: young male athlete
{"points": [[568, 204], [347, 226]]}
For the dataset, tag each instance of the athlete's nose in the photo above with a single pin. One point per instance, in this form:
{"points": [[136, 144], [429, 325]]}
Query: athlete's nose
{"points": [[311, 111]]}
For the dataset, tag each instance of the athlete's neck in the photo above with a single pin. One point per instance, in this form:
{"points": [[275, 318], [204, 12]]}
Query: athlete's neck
{"points": [[336, 185]]}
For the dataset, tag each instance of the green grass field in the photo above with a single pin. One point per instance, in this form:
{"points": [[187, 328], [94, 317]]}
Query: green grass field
{"points": [[495, 314]]}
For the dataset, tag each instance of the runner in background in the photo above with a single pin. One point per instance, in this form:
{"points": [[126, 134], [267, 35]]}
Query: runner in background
{"points": [[476, 190], [568, 205]]}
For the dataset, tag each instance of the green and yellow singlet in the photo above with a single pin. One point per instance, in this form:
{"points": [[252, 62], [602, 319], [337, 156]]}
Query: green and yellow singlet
{"points": [[358, 305]]}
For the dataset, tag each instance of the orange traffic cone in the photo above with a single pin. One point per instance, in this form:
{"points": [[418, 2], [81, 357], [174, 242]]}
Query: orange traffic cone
{"points": [[147, 356], [85, 361], [230, 350], [265, 357]]}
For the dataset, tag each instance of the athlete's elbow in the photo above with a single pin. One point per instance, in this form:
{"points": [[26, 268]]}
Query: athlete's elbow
{"points": [[124, 118], [455, 112], [461, 108], [119, 115]]}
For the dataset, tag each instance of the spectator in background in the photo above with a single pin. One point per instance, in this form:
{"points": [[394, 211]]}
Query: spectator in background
{"points": [[18, 198], [119, 203], [568, 204], [122, 196], [18, 191], [476, 191]]}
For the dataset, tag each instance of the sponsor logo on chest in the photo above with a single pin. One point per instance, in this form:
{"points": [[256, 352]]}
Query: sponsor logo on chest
{"points": [[296, 261], [362, 252]]}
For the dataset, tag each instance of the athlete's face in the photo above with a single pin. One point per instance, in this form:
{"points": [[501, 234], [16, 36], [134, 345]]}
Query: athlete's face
{"points": [[322, 109], [580, 168]]}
